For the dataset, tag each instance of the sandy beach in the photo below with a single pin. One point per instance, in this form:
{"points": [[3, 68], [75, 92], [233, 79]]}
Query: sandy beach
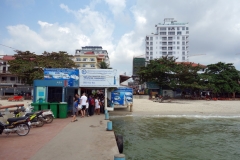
{"points": [[183, 107], [175, 107], [6, 103]]}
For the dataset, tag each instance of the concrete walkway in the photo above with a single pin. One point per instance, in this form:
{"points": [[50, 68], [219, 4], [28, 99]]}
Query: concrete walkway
{"points": [[86, 138]]}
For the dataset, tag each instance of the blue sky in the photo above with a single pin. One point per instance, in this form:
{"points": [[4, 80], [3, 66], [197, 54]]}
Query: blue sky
{"points": [[119, 26]]}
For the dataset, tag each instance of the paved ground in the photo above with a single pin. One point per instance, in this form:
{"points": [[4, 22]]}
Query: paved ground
{"points": [[23, 147], [85, 139]]}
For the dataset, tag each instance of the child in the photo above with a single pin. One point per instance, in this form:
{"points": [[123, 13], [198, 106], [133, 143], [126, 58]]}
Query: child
{"points": [[75, 110]]}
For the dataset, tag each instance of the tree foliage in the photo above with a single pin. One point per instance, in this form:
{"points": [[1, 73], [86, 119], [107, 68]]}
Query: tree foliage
{"points": [[222, 78], [29, 66], [167, 72], [218, 78], [103, 65]]}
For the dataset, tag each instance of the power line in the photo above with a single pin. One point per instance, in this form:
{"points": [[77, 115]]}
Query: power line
{"points": [[8, 46]]}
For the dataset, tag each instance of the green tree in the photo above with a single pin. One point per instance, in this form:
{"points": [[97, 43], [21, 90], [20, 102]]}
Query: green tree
{"points": [[159, 71], [29, 66], [103, 65], [188, 77], [167, 72], [222, 78]]}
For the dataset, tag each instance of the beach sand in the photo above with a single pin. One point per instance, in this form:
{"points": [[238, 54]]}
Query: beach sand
{"points": [[182, 107], [175, 107], [6, 103]]}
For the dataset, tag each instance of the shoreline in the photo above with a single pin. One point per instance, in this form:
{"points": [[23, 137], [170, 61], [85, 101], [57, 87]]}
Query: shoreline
{"points": [[181, 108]]}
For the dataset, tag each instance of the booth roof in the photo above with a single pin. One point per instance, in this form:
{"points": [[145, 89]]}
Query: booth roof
{"points": [[124, 78]]}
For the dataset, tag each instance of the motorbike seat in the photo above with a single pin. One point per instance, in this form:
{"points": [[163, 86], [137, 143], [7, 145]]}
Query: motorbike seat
{"points": [[10, 120], [29, 114]]}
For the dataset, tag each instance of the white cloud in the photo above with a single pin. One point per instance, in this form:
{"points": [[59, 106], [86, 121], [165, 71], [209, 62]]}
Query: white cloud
{"points": [[116, 6], [64, 29], [44, 24]]}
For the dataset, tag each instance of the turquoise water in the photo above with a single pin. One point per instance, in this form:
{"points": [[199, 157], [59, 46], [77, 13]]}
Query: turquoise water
{"points": [[179, 138]]}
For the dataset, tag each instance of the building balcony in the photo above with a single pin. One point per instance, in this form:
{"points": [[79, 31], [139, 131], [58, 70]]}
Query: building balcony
{"points": [[4, 72]]}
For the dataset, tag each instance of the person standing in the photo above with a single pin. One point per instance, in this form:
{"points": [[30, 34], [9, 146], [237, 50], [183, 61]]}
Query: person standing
{"points": [[97, 106], [78, 102], [83, 102], [75, 110], [91, 105]]}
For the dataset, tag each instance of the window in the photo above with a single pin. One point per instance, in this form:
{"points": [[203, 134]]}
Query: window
{"points": [[183, 28], [151, 38], [178, 38], [178, 28], [170, 43], [147, 48], [183, 48], [162, 33], [178, 47], [164, 43], [183, 38], [171, 33], [79, 65], [84, 59], [183, 43], [151, 48], [78, 59], [179, 33], [151, 53], [164, 53], [12, 78], [170, 48], [147, 53], [147, 43], [84, 65], [151, 43], [151, 58], [164, 38], [187, 32], [147, 58], [183, 58], [92, 59], [162, 28], [183, 53], [92, 65], [169, 53], [186, 28], [147, 38], [164, 48], [178, 42], [170, 38]]}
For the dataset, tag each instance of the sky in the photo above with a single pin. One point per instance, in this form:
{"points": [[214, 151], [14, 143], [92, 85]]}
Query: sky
{"points": [[120, 27]]}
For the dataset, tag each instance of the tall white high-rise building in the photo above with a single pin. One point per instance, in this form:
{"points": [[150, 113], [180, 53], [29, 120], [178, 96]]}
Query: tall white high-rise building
{"points": [[170, 39]]}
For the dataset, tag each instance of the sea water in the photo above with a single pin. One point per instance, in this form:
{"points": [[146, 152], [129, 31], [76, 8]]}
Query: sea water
{"points": [[179, 137]]}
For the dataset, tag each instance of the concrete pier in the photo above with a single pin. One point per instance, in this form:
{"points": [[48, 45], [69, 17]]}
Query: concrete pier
{"points": [[86, 138]]}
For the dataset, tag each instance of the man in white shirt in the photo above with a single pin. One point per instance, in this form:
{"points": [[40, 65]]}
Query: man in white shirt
{"points": [[83, 103]]}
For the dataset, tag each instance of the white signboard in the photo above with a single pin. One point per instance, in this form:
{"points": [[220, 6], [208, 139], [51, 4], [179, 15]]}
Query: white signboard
{"points": [[98, 78]]}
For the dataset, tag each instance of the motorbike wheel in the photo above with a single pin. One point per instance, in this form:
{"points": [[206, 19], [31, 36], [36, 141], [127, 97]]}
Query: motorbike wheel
{"points": [[49, 118], [22, 129], [41, 122]]}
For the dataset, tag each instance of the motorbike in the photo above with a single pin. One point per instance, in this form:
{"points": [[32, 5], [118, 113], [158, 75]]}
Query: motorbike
{"points": [[20, 125], [47, 114], [36, 118]]}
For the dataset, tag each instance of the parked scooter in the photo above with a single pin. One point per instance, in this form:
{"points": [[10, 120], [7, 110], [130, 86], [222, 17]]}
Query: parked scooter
{"points": [[36, 118], [20, 125], [47, 114]]}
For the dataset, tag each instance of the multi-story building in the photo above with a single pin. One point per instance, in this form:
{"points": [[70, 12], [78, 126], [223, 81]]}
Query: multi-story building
{"points": [[11, 84], [89, 56], [170, 39]]}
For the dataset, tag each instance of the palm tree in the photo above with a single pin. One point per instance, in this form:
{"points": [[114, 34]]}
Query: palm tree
{"points": [[103, 65]]}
